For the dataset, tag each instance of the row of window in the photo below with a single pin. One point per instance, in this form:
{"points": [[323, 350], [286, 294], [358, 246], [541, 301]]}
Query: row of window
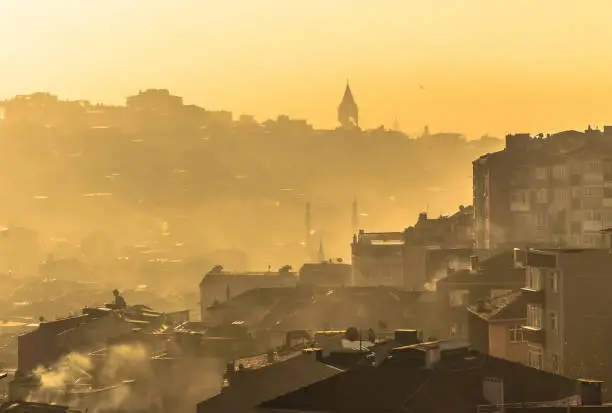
{"points": [[595, 166], [536, 360], [535, 318], [559, 195], [535, 279]]}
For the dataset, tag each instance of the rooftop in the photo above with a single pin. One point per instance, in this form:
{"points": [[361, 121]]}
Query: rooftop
{"points": [[494, 269], [511, 305], [456, 386]]}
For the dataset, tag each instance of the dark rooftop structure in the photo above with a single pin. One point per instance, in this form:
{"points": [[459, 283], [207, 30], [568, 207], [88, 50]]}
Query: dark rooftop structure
{"points": [[267, 378], [507, 306], [457, 385]]}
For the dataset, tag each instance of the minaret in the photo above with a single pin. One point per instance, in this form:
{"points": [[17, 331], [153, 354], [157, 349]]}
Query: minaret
{"points": [[308, 224], [321, 255], [348, 112], [355, 217], [396, 125]]}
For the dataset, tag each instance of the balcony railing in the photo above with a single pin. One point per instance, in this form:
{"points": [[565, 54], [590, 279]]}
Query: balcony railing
{"points": [[533, 296], [493, 408], [534, 335]]}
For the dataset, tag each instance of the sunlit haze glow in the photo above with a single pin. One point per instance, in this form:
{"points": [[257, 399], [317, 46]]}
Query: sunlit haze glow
{"points": [[484, 66]]}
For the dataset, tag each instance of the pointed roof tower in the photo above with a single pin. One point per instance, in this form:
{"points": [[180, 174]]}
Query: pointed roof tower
{"points": [[355, 216], [321, 255], [348, 112]]}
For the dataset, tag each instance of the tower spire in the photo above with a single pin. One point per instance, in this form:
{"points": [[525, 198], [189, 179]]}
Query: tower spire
{"points": [[355, 216], [321, 255], [348, 112], [308, 223]]}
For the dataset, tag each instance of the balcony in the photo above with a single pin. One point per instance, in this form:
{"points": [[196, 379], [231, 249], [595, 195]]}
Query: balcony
{"points": [[534, 335], [534, 296]]}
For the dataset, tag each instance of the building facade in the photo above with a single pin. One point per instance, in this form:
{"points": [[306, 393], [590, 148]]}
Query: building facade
{"points": [[488, 277], [553, 191], [495, 326], [219, 285], [568, 329], [414, 257]]}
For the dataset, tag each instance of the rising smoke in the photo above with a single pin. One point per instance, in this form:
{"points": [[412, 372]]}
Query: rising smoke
{"points": [[127, 378], [82, 381], [452, 264]]}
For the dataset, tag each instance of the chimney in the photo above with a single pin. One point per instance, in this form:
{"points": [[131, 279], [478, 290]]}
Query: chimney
{"points": [[230, 372], [590, 392], [316, 352], [406, 337], [474, 263], [432, 357], [493, 390]]}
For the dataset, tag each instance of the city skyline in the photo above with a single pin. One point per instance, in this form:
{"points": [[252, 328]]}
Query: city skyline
{"points": [[439, 64]]}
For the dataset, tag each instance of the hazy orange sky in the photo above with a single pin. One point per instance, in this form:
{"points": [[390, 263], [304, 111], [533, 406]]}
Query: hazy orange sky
{"points": [[487, 66]]}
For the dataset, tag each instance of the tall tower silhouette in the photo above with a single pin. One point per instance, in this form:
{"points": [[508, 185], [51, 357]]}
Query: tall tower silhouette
{"points": [[348, 112], [355, 217], [321, 254], [308, 223]]}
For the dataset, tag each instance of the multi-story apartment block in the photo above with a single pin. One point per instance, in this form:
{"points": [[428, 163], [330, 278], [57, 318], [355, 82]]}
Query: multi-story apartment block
{"points": [[553, 191], [567, 295], [412, 258]]}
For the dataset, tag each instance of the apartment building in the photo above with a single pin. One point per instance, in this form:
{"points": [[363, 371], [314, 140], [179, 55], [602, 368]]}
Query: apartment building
{"points": [[414, 257], [567, 296], [553, 191]]}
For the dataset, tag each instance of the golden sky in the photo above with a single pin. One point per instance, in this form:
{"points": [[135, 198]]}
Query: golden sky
{"points": [[486, 66]]}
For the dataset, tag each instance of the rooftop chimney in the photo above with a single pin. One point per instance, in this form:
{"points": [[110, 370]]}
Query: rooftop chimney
{"points": [[406, 337], [474, 263], [590, 392], [230, 372]]}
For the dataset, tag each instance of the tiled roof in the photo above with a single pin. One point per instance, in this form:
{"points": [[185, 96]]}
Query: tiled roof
{"points": [[261, 360], [456, 387], [496, 269], [511, 305], [266, 383]]}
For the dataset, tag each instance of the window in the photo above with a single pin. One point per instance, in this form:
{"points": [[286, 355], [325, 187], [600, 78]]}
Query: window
{"points": [[519, 197], [534, 278], [534, 316], [554, 322], [576, 192], [459, 298], [516, 334], [536, 357], [592, 215], [591, 239], [361, 311], [559, 171], [592, 191], [560, 195], [555, 363], [554, 282], [541, 172], [541, 220], [593, 166], [542, 196], [453, 329]]}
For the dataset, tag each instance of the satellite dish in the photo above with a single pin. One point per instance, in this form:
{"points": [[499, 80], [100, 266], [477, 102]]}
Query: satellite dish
{"points": [[339, 260]]}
